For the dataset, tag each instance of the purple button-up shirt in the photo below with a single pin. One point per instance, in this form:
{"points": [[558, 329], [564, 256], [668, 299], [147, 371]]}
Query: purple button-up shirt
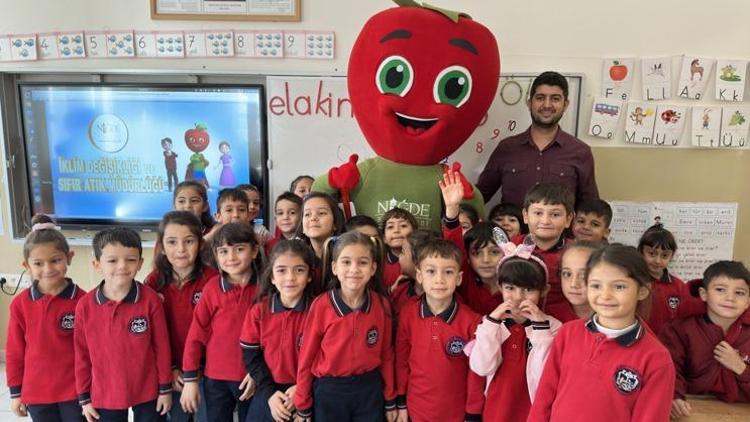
{"points": [[517, 165]]}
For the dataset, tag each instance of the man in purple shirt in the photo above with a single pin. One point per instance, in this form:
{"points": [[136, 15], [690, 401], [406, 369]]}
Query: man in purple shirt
{"points": [[544, 153]]}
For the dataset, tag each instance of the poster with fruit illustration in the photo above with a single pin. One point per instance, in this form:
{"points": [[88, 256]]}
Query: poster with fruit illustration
{"points": [[734, 127], [730, 79], [639, 122], [605, 114], [705, 126], [670, 122], [694, 75], [656, 75], [617, 78]]}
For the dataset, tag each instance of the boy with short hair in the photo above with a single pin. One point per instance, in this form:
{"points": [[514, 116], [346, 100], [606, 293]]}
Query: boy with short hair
{"points": [[121, 341], [396, 225], [232, 207], [363, 224], [592, 220], [433, 379], [406, 289], [711, 352]]}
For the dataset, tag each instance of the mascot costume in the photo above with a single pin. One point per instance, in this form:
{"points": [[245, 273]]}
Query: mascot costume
{"points": [[420, 80]]}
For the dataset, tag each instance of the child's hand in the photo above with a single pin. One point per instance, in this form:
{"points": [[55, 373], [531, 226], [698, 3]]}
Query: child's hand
{"points": [[88, 412], [502, 310], [247, 386], [403, 415], [531, 311], [18, 408], [164, 403], [395, 284], [277, 404], [190, 398], [730, 358], [453, 193], [177, 381], [290, 392], [680, 408], [391, 415]]}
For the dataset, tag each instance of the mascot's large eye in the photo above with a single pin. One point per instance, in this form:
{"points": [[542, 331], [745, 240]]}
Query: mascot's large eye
{"points": [[394, 76], [453, 86]]}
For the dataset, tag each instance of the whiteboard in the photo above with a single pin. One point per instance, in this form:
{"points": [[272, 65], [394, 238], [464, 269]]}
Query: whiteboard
{"points": [[311, 127]]}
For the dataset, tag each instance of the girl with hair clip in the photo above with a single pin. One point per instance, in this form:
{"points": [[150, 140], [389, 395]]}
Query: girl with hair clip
{"points": [[272, 331], [610, 366], [512, 342], [346, 362], [39, 346], [179, 276]]}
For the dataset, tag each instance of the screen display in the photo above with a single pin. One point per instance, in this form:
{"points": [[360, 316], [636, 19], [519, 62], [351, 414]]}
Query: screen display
{"points": [[99, 154]]}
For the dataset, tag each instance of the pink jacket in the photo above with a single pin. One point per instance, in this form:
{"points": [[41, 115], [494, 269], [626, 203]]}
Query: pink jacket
{"points": [[485, 353]]}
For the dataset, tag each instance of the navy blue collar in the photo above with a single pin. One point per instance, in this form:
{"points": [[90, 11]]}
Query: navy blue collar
{"points": [[277, 306], [342, 309], [226, 286], [132, 297], [69, 292], [391, 257], [626, 339], [665, 277], [448, 315]]}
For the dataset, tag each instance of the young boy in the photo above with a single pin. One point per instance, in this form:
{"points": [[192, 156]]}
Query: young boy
{"points": [[231, 207], [711, 351], [433, 380], [121, 340], [397, 223], [406, 289], [592, 220], [363, 224]]}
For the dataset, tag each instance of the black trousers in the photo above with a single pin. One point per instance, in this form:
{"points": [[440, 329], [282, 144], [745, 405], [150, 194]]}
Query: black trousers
{"points": [[67, 411], [349, 399], [144, 412], [221, 399]]}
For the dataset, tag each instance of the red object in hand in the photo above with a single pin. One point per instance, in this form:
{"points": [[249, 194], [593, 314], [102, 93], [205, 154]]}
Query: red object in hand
{"points": [[468, 188], [345, 178]]}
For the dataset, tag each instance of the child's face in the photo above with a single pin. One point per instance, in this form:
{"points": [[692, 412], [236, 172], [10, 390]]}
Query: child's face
{"points": [[515, 294], [395, 232], [303, 187], [290, 275], [253, 203], [465, 222], [484, 261], [287, 217], [439, 277], [573, 274], [613, 295], [589, 226], [509, 223], [406, 261], [189, 199], [180, 246], [118, 264], [47, 263], [657, 260], [354, 268], [317, 219], [546, 222], [235, 260], [726, 298], [232, 211]]}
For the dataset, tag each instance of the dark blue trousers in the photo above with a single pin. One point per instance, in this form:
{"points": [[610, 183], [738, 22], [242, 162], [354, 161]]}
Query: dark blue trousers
{"points": [[67, 411], [144, 412], [349, 399], [221, 399]]}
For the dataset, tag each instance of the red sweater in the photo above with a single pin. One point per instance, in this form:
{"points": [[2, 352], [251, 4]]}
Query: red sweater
{"points": [[39, 358], [691, 342], [432, 372], [551, 258], [341, 342], [391, 269], [216, 325], [562, 311], [404, 294], [121, 349], [179, 304], [589, 377], [671, 300]]}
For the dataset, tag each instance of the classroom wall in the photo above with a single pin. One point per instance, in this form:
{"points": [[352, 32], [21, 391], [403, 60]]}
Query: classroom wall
{"points": [[572, 37]]}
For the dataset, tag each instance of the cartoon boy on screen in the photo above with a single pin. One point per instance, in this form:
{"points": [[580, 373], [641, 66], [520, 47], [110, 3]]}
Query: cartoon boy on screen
{"points": [[170, 162]]}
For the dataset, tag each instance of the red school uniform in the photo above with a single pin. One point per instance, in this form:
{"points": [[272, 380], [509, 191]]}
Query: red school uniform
{"points": [[671, 300], [589, 377], [121, 349], [691, 342], [391, 269], [342, 342], [39, 356], [551, 258], [271, 337], [432, 372], [404, 294], [562, 311], [179, 304], [216, 326]]}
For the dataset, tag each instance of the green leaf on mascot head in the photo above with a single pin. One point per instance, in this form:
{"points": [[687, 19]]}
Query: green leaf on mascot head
{"points": [[450, 14], [201, 126]]}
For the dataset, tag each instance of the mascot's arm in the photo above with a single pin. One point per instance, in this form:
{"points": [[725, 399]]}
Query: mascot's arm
{"points": [[345, 176]]}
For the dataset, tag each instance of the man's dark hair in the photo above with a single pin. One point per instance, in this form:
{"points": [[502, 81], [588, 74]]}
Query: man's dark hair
{"points": [[550, 78]]}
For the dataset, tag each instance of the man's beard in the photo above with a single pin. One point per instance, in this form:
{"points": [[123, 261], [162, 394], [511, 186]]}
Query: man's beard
{"points": [[545, 125]]}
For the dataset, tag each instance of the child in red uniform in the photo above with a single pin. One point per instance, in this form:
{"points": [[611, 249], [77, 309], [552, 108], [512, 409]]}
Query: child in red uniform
{"points": [[272, 331], [468, 217], [396, 225], [671, 297], [406, 289], [120, 325], [592, 220], [510, 218], [216, 328], [514, 339], [192, 196], [179, 277], [301, 185], [40, 330], [611, 366], [254, 207], [287, 212], [346, 362], [711, 352], [572, 280], [432, 372]]}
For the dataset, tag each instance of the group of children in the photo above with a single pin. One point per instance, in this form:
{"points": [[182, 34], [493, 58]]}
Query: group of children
{"points": [[529, 315]]}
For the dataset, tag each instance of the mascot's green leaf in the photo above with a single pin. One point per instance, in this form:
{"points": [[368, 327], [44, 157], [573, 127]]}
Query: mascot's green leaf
{"points": [[450, 14]]}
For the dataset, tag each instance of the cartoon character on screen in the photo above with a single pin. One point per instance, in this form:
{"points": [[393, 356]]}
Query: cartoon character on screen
{"points": [[197, 140], [226, 179], [420, 80], [170, 162]]}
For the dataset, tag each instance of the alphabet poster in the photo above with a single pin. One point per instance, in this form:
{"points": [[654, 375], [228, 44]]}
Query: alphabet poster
{"points": [[617, 78], [730, 79], [670, 122], [694, 75], [734, 127], [605, 114], [639, 124], [657, 78], [706, 126]]}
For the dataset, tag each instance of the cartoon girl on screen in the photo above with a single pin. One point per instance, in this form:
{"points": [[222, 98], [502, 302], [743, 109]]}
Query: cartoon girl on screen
{"points": [[226, 180], [197, 140]]}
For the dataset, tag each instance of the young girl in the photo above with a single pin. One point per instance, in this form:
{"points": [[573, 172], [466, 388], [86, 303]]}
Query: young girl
{"points": [[321, 219], [272, 331], [287, 211], [572, 274], [671, 297], [216, 328], [509, 218], [254, 205], [346, 362], [39, 349], [501, 351], [192, 196], [609, 367], [301, 185], [179, 277]]}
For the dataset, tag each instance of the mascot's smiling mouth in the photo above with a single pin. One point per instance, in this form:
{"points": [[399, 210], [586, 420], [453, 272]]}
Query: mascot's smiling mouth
{"points": [[414, 125]]}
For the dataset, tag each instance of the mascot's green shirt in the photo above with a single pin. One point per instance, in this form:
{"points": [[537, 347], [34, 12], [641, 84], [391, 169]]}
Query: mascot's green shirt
{"points": [[386, 184]]}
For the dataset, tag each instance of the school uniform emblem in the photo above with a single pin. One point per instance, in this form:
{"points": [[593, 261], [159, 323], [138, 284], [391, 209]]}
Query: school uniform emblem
{"points": [[138, 325], [627, 380], [67, 321], [673, 302], [455, 346], [372, 336], [197, 296]]}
